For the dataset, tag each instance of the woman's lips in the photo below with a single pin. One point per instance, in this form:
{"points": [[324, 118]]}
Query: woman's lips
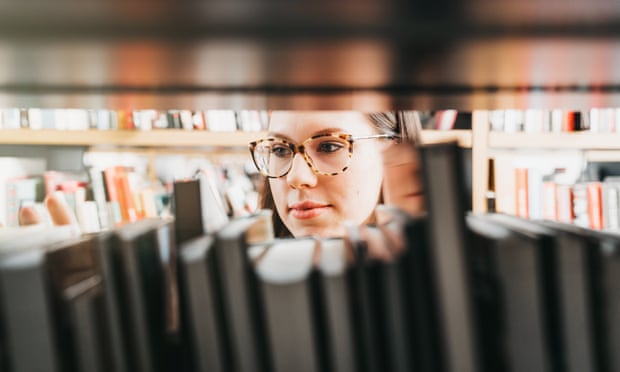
{"points": [[307, 210]]}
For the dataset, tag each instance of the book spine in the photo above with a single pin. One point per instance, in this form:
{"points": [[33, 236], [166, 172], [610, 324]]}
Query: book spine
{"points": [[549, 201], [521, 196], [595, 212]]}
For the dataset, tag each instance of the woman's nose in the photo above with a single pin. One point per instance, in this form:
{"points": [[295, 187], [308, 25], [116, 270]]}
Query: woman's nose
{"points": [[300, 175]]}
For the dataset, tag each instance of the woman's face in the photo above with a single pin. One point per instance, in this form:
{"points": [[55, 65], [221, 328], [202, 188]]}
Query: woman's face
{"points": [[314, 204]]}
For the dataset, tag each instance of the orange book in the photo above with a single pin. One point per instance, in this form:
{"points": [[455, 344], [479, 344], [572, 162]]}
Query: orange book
{"points": [[568, 121], [125, 195], [109, 181], [521, 197], [595, 206]]}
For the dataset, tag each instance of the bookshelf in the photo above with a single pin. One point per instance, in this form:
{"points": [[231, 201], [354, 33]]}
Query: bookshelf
{"points": [[480, 139], [127, 138], [170, 137], [462, 136], [569, 140]]}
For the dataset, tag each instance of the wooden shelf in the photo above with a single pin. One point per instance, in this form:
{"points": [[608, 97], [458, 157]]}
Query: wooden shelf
{"points": [[170, 137], [574, 140], [462, 136], [151, 138]]}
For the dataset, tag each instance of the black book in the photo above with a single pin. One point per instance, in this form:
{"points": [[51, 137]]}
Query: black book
{"points": [[577, 266], [145, 260], [188, 210], [51, 318], [364, 311], [604, 291], [113, 285], [27, 325], [243, 313], [445, 199], [523, 257], [289, 289], [198, 209], [391, 295], [202, 306], [26, 320], [339, 348], [75, 296]]}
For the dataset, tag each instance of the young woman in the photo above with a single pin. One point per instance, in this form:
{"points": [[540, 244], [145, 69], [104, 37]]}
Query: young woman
{"points": [[327, 168]]}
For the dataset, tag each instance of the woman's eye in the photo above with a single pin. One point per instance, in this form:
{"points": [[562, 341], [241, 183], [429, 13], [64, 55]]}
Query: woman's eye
{"points": [[281, 150], [329, 146]]}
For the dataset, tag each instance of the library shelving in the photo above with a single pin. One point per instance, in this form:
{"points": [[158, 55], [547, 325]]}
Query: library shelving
{"points": [[480, 139], [146, 138], [170, 137]]}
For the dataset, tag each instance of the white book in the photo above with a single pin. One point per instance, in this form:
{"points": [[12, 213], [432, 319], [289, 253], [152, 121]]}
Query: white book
{"points": [[77, 119], [535, 193], [557, 116], [61, 119], [496, 119], [35, 118], [533, 121], [11, 118], [103, 119]]}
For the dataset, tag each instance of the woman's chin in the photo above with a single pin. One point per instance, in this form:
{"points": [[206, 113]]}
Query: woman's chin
{"points": [[318, 231]]}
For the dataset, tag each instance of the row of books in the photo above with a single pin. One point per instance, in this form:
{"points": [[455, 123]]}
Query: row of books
{"points": [[440, 291], [81, 119], [108, 196], [598, 120], [554, 196], [99, 200], [407, 293]]}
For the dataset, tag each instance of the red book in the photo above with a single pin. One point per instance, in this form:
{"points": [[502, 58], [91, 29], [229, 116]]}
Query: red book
{"points": [[568, 121], [595, 206], [125, 195], [109, 177], [521, 197]]}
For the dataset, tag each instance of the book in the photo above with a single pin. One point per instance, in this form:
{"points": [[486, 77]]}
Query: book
{"points": [[576, 278], [198, 207], [202, 308], [289, 290], [37, 264], [74, 281], [442, 173], [521, 195], [241, 299], [595, 208], [145, 256], [332, 266], [524, 259]]}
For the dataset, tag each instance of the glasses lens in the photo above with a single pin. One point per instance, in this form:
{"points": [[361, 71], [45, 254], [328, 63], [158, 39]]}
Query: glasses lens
{"points": [[273, 158], [328, 154]]}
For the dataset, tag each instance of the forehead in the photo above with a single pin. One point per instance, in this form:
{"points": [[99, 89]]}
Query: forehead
{"points": [[299, 125]]}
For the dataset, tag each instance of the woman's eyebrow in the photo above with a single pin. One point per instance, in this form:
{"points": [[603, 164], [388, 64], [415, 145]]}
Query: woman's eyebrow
{"points": [[279, 135], [322, 131], [329, 130]]}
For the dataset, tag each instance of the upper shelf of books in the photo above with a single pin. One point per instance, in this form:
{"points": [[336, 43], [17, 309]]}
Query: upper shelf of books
{"points": [[565, 140], [594, 129], [157, 128], [139, 138], [170, 137]]}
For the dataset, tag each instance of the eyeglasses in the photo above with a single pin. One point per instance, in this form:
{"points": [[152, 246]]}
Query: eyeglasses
{"points": [[326, 154]]}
